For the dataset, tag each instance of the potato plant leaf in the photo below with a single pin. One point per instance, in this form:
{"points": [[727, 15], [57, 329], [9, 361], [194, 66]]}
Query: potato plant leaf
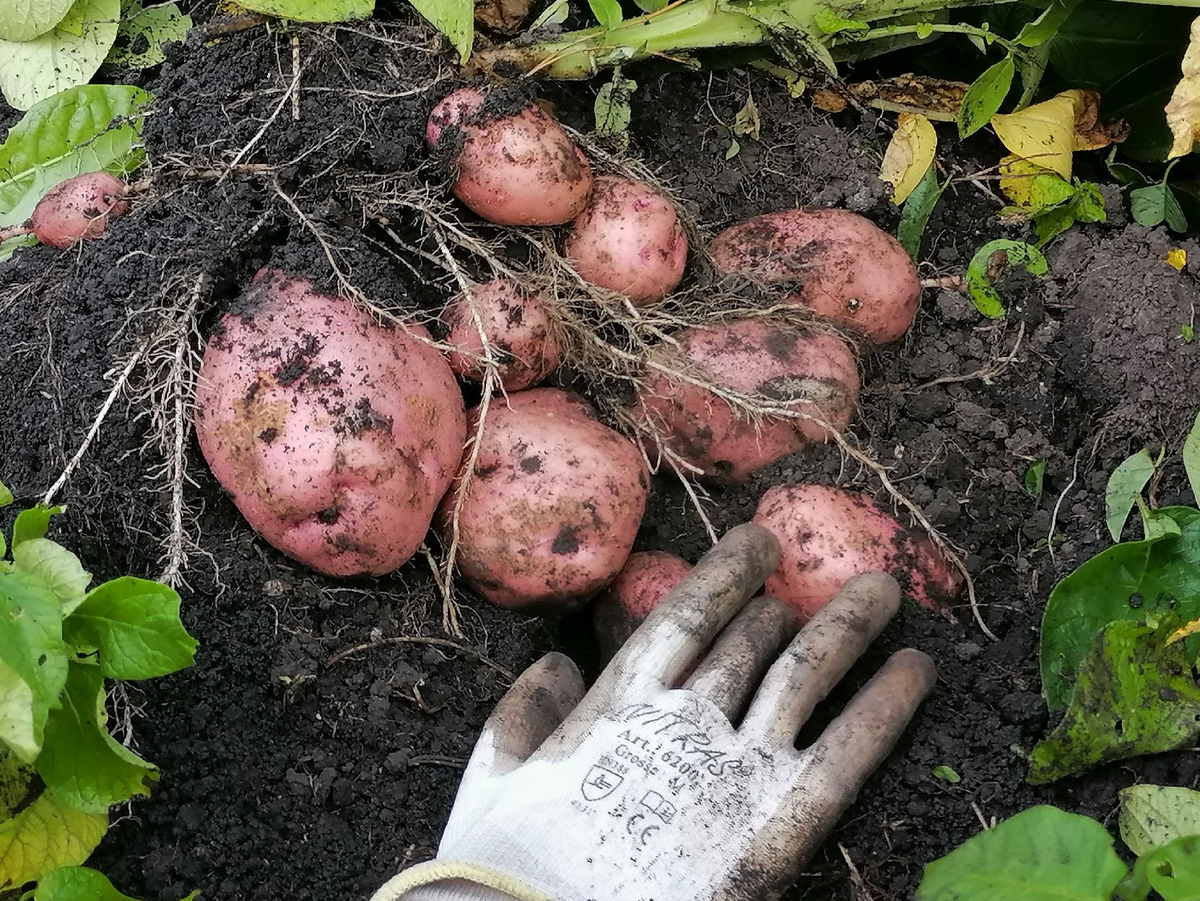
{"points": [[45, 835], [613, 110], [1046, 26], [33, 523], [984, 96], [453, 18], [1134, 694], [1043, 133], [1041, 854], [34, 659], [1155, 815], [6, 496], [1172, 871], [1126, 582], [909, 155], [136, 627], [144, 31], [314, 10], [1124, 486], [65, 56], [1035, 477], [1191, 457], [80, 884], [990, 263], [917, 209], [86, 129], [24, 20], [1183, 109], [607, 12], [56, 567], [1155, 205]]}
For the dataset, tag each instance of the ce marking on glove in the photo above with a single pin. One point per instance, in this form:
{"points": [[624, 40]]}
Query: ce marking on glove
{"points": [[641, 826]]}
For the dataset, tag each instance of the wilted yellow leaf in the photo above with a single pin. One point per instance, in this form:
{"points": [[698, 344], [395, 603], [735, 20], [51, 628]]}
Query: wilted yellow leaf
{"points": [[1177, 258], [1032, 186], [1092, 132], [1183, 109], [1184, 631], [230, 8], [909, 155], [1043, 133]]}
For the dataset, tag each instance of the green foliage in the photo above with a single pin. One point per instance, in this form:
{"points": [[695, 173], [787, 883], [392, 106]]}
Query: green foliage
{"points": [[607, 12], [78, 884], [1155, 815], [946, 774], [314, 10], [65, 56], [990, 263], [59, 641], [917, 209], [143, 32], [1034, 481], [613, 109], [24, 20], [1124, 487], [984, 96], [1172, 871]]}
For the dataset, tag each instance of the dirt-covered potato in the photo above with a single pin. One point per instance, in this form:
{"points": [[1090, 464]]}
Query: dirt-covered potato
{"points": [[515, 164], [337, 437], [516, 325], [79, 208], [644, 580], [756, 357], [553, 505], [829, 535], [843, 267], [629, 239]]}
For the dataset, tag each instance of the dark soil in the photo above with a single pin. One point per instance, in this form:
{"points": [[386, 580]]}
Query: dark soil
{"points": [[287, 777]]}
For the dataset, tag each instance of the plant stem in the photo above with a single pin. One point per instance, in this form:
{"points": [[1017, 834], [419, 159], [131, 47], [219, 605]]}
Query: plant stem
{"points": [[15, 231]]}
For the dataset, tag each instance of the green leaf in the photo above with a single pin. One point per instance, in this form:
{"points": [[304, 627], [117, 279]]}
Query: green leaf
{"points": [[1124, 485], [24, 20], [946, 774], [607, 13], [917, 210], [831, 23], [1191, 457], [1188, 334], [1156, 204], [1041, 854], [1052, 223], [984, 96], [1088, 203], [453, 18], [65, 56], [1034, 479], [81, 130], [1173, 871], [144, 31], [1155, 815], [136, 627], [6, 496], [33, 523], [1134, 695], [1129, 582], [47, 834], [992, 261], [1046, 26], [32, 650], [1157, 523], [649, 6], [57, 567], [76, 884], [612, 109], [314, 10], [80, 762]]}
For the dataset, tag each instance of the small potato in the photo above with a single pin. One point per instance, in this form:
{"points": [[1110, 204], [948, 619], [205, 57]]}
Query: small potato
{"points": [[79, 208], [829, 535], [516, 325], [753, 357], [629, 240], [642, 583], [337, 437], [843, 267], [553, 506], [516, 165]]}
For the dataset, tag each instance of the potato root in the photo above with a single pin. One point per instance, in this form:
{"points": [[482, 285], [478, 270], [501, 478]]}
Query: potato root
{"points": [[516, 325], [337, 437], [644, 580]]}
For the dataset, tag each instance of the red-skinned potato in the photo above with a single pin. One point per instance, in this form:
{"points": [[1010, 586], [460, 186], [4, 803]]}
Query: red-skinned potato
{"points": [[79, 208], [829, 535], [553, 505], [337, 437], [760, 357], [843, 266], [644, 580], [516, 325], [515, 166], [629, 240]]}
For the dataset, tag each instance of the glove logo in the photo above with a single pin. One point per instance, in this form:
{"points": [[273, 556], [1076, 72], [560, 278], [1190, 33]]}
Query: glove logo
{"points": [[600, 782]]}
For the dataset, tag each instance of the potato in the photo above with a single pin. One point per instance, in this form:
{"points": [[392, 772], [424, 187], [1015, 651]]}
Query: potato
{"points": [[517, 326], [629, 240], [754, 357], [829, 535], [642, 583], [553, 505], [516, 165], [79, 208], [337, 437], [843, 266]]}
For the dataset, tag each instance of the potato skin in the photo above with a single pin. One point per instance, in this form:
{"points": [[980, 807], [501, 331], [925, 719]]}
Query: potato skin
{"points": [[751, 356], [553, 506], [829, 535], [79, 208], [644, 580], [516, 324], [337, 437], [844, 267], [515, 169], [629, 240]]}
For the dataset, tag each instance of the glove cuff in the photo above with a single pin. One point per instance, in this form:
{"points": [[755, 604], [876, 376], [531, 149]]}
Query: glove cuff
{"points": [[436, 871]]}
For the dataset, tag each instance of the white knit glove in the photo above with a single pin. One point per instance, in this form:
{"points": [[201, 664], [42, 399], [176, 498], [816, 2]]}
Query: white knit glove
{"points": [[638, 791]]}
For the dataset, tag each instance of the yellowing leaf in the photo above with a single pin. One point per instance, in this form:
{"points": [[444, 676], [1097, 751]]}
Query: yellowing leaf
{"points": [[1043, 133], [747, 121], [1183, 109], [909, 155], [1184, 631], [1032, 187], [45, 835], [1177, 258], [1092, 132]]}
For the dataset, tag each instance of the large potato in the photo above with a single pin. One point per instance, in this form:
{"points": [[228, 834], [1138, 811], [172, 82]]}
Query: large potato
{"points": [[516, 325], [629, 240], [644, 580], [336, 436], [829, 535], [553, 505], [843, 267], [759, 357], [516, 165]]}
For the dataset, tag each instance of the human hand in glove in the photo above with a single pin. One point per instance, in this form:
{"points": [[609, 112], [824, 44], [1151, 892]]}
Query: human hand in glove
{"points": [[636, 790]]}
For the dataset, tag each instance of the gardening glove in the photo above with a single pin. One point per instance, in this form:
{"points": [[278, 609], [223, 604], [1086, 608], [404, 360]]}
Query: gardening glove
{"points": [[640, 791]]}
